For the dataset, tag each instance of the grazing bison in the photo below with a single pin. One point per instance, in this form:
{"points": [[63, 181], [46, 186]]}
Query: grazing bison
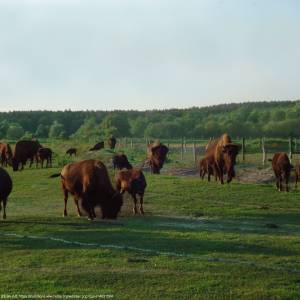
{"points": [[224, 153], [206, 166], [112, 142], [120, 162], [5, 154], [5, 189], [71, 151], [282, 169], [45, 154], [25, 150], [132, 181], [89, 181], [157, 154], [98, 146]]}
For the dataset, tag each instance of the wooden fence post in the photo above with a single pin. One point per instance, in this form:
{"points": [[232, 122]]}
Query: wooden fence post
{"points": [[243, 149], [194, 152], [181, 148], [263, 150], [290, 149], [131, 144], [184, 145]]}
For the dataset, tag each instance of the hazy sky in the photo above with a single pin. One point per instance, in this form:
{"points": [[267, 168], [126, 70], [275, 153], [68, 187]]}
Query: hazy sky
{"points": [[144, 54]]}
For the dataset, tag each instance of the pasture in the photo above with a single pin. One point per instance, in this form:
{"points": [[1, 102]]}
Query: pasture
{"points": [[197, 240]]}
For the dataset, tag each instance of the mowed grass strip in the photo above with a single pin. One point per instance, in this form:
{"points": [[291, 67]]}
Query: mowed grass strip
{"points": [[198, 240]]}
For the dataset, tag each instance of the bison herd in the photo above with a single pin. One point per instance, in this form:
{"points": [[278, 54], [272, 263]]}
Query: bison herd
{"points": [[89, 182]]}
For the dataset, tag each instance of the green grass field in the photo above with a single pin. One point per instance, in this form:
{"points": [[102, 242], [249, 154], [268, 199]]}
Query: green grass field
{"points": [[197, 240]]}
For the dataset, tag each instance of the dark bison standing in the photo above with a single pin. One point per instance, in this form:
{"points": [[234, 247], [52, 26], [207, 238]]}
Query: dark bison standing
{"points": [[5, 189], [98, 146], [112, 142], [282, 169], [132, 181], [45, 154], [157, 154], [71, 151], [25, 150], [120, 161], [224, 153], [89, 181], [5, 154]]}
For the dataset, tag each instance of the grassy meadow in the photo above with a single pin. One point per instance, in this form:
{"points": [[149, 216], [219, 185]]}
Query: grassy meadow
{"points": [[197, 240]]}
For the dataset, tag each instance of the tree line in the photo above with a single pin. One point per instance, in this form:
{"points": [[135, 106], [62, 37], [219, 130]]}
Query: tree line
{"points": [[253, 119]]}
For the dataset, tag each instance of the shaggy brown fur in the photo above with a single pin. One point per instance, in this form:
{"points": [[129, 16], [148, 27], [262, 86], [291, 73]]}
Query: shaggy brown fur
{"points": [[112, 142], [206, 166], [224, 153], [157, 154], [89, 181]]}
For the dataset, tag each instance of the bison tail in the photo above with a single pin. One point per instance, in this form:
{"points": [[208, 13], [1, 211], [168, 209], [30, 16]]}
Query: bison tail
{"points": [[55, 175]]}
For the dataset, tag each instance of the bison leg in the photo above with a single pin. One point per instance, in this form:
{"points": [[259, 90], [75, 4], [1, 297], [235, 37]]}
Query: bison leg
{"points": [[87, 207], [296, 180], [287, 182], [65, 200], [77, 206], [4, 208], [141, 204], [134, 203]]}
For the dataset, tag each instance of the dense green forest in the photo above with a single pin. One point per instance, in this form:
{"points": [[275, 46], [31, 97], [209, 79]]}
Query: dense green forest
{"points": [[255, 119]]}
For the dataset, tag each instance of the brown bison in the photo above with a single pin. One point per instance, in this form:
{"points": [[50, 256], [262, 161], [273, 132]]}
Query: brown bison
{"points": [[282, 169], [71, 151], [5, 189], [45, 154], [88, 180], [206, 166], [112, 142], [5, 154], [224, 153], [157, 154], [98, 146], [120, 161], [25, 150], [132, 181]]}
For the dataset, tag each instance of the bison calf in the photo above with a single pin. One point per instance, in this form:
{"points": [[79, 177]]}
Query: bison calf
{"points": [[5, 189], [282, 169], [45, 154], [71, 151], [132, 181], [206, 166]]}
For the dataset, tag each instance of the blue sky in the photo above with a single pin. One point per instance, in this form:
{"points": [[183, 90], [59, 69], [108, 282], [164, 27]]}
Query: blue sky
{"points": [[145, 54]]}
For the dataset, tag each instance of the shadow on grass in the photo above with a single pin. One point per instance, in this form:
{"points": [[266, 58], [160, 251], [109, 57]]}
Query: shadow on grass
{"points": [[141, 233]]}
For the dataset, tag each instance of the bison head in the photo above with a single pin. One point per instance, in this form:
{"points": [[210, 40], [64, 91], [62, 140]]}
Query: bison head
{"points": [[15, 164], [112, 207], [230, 152]]}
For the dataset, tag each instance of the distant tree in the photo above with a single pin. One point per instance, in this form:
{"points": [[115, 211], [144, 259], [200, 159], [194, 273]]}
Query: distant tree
{"points": [[138, 127], [15, 131], [90, 128], [42, 131], [116, 124], [4, 125], [56, 130], [278, 115]]}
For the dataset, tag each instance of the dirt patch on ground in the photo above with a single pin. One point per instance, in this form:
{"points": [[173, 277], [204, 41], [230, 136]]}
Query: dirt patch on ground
{"points": [[244, 175]]}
